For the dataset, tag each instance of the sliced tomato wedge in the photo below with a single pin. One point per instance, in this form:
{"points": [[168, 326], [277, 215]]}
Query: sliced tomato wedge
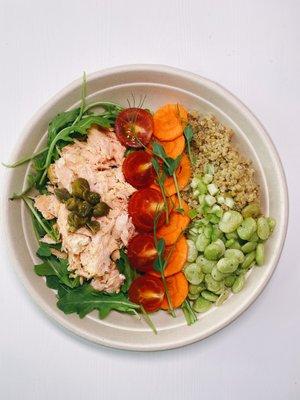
{"points": [[147, 291], [134, 127], [141, 252], [142, 208], [138, 170]]}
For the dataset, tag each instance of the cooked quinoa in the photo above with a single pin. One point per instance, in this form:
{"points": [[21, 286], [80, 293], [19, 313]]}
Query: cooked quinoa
{"points": [[234, 174]]}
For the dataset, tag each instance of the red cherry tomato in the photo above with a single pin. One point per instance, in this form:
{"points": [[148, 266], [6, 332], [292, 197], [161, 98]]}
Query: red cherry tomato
{"points": [[142, 208], [134, 127], [147, 291], [138, 170], [141, 252]]}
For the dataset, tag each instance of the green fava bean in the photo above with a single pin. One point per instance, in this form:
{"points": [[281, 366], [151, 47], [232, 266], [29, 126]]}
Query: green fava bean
{"points": [[206, 265], [209, 296], [223, 297], [192, 251], [232, 235], [247, 228], [229, 280], [193, 274], [213, 252], [238, 284], [272, 224], [235, 254], [196, 289], [251, 210], [193, 296], [248, 247], [263, 229], [213, 285], [227, 265], [259, 256], [250, 257], [235, 245], [216, 274], [201, 305], [254, 238], [230, 221], [201, 242]]}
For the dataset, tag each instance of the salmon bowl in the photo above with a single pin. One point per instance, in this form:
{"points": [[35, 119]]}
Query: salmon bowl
{"points": [[188, 205]]}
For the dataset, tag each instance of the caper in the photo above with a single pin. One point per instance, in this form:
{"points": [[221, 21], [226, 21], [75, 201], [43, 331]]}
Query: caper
{"points": [[62, 194], [101, 209], [75, 222], [83, 209], [79, 186], [94, 226], [51, 174], [91, 197], [72, 204]]}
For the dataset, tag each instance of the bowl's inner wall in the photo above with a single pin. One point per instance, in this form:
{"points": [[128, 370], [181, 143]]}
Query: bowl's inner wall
{"points": [[194, 95]]}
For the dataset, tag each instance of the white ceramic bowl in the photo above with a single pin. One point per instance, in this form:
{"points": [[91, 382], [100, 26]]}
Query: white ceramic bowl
{"points": [[161, 84]]}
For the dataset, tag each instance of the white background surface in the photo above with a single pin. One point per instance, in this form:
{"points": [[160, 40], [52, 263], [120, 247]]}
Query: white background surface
{"points": [[251, 48]]}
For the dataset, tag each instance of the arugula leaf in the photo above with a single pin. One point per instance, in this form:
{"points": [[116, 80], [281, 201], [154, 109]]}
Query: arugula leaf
{"points": [[188, 134], [125, 269], [61, 121], [56, 267], [44, 250], [85, 299]]}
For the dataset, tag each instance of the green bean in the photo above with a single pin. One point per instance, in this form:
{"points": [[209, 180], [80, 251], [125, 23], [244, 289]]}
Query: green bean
{"points": [[272, 224], [212, 285], [209, 296], [201, 242], [235, 254], [214, 251], [206, 265], [216, 274], [227, 265], [251, 210], [193, 274], [201, 305], [247, 228], [250, 257], [192, 251], [248, 247], [223, 297], [259, 256], [230, 221], [263, 230], [229, 280], [238, 284]]}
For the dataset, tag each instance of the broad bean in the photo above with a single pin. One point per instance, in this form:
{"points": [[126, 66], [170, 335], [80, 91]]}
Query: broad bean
{"points": [[238, 284], [259, 256], [250, 257], [235, 254], [193, 274], [214, 251], [229, 280], [263, 229], [251, 210], [209, 296], [217, 275], [223, 297], [248, 247], [192, 251], [247, 228], [227, 265], [212, 285], [230, 221], [201, 305], [205, 264]]}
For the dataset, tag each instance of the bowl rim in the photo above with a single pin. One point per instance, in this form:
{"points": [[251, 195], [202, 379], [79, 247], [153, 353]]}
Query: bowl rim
{"points": [[216, 87]]}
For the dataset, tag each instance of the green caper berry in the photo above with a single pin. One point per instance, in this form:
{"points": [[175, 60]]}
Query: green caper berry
{"points": [[62, 194], [72, 204], [94, 226], [79, 186], [101, 209], [83, 209], [75, 222], [92, 197]]}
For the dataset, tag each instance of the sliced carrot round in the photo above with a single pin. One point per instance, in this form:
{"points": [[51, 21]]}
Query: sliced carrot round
{"points": [[178, 289], [183, 175], [172, 148], [169, 121], [176, 256], [177, 224]]}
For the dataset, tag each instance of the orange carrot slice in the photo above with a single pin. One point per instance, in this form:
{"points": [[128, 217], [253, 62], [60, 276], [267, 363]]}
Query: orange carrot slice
{"points": [[169, 121], [172, 148], [178, 289], [177, 224], [176, 256]]}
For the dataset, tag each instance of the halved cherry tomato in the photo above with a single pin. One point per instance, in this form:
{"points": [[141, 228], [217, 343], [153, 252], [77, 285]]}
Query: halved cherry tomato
{"points": [[141, 252], [134, 127], [137, 169], [148, 291], [142, 208]]}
